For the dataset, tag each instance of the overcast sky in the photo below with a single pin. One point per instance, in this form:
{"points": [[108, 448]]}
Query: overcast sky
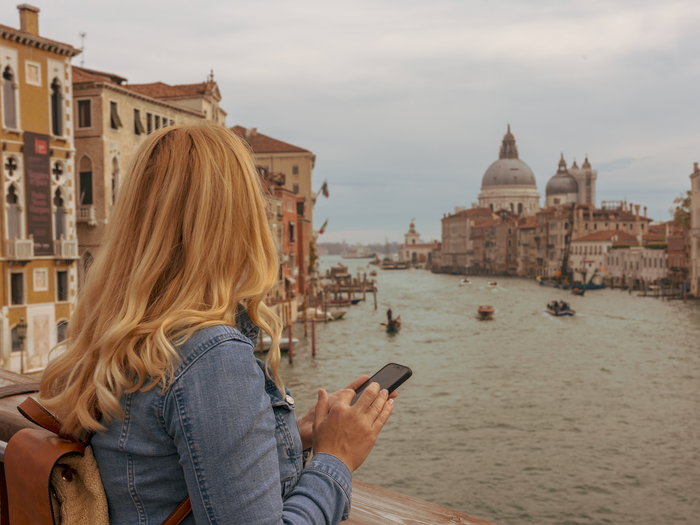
{"points": [[405, 102]]}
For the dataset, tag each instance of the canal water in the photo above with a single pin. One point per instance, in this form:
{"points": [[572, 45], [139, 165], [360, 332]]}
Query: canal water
{"points": [[526, 418]]}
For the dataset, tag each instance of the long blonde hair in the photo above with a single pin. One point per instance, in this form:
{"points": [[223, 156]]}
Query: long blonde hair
{"points": [[188, 240]]}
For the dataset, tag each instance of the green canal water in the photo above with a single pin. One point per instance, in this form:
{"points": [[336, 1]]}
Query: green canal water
{"points": [[526, 418]]}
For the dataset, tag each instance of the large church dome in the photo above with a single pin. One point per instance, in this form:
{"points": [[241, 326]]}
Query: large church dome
{"points": [[562, 182], [508, 170]]}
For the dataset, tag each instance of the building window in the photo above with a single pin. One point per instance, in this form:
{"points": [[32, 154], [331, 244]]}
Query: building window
{"points": [[300, 208], [16, 344], [13, 214], [156, 122], [520, 208], [115, 179], [61, 286], [16, 288], [56, 108], [41, 279], [295, 188], [9, 108], [84, 114], [61, 329], [59, 216], [85, 181], [138, 125], [149, 123], [114, 121], [295, 170], [291, 232]]}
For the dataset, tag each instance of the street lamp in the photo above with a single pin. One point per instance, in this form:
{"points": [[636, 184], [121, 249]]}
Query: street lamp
{"points": [[21, 335]]}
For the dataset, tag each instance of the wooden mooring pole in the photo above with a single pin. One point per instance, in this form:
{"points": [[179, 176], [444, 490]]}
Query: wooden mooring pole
{"points": [[313, 336]]}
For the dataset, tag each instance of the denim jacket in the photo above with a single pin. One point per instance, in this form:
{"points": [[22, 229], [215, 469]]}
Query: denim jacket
{"points": [[222, 434]]}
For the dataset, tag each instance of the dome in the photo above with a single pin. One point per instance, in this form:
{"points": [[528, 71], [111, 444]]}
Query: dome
{"points": [[508, 170], [562, 182]]}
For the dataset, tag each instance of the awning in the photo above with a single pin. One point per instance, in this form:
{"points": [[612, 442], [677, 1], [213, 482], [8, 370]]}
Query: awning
{"points": [[290, 279], [138, 123], [116, 121]]}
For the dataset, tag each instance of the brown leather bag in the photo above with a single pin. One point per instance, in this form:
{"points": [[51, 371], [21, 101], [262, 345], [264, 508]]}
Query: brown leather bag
{"points": [[53, 479]]}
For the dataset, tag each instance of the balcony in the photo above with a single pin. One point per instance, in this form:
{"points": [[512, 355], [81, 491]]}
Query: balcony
{"points": [[19, 249], [86, 214], [65, 249]]}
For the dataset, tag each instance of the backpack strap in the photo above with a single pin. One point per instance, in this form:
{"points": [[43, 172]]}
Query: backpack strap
{"points": [[37, 414], [180, 513]]}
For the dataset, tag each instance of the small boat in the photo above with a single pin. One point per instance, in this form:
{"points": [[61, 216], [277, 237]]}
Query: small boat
{"points": [[560, 309], [332, 315], [464, 282], [373, 273], [355, 301], [493, 284], [486, 312], [394, 325], [576, 290], [284, 343]]}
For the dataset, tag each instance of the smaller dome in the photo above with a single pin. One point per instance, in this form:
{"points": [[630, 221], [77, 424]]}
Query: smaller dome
{"points": [[562, 183]]}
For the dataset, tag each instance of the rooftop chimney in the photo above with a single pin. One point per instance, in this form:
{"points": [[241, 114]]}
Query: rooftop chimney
{"points": [[695, 167], [29, 18], [645, 212], [636, 211]]}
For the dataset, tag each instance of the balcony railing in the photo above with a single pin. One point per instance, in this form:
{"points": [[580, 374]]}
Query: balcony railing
{"points": [[65, 249], [19, 249], [87, 214]]}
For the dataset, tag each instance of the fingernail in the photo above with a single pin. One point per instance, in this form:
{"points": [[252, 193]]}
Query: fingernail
{"points": [[391, 402], [384, 392]]}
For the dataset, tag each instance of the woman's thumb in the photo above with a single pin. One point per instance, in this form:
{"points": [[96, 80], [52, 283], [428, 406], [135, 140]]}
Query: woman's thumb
{"points": [[321, 407]]}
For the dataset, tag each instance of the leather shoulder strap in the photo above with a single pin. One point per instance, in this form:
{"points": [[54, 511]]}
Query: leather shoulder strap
{"points": [[37, 414], [180, 513], [19, 388]]}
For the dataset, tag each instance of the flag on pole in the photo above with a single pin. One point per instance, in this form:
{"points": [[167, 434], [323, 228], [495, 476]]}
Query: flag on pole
{"points": [[323, 227], [324, 189]]}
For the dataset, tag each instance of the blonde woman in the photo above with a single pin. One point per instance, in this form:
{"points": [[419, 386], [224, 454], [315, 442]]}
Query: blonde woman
{"points": [[158, 358]]}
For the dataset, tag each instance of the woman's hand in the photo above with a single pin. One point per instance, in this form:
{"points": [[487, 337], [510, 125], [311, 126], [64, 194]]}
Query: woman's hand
{"points": [[349, 432], [306, 422]]}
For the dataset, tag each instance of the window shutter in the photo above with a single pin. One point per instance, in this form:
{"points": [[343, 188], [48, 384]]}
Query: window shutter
{"points": [[139, 124], [115, 116]]}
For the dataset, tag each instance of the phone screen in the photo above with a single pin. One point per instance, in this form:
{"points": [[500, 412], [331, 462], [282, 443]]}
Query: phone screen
{"points": [[390, 377]]}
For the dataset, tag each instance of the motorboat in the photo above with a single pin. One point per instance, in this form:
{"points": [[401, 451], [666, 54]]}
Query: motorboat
{"points": [[373, 273], [486, 311], [493, 284], [560, 309], [464, 282], [284, 343], [331, 315]]}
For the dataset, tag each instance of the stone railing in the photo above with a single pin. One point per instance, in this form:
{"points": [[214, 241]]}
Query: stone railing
{"points": [[371, 505], [87, 214], [19, 249], [65, 249]]}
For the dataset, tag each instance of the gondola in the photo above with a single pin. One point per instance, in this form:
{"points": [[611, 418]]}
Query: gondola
{"points": [[394, 325]]}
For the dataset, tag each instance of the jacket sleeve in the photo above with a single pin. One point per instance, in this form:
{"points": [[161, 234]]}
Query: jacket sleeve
{"points": [[223, 426]]}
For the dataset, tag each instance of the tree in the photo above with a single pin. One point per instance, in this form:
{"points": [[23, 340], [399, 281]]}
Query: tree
{"points": [[681, 210]]}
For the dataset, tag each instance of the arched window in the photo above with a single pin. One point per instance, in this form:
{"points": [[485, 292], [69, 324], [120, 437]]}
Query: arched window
{"points": [[85, 181], [512, 207], [115, 179], [9, 109], [59, 216], [491, 206], [520, 208], [13, 213], [61, 328], [56, 113]]}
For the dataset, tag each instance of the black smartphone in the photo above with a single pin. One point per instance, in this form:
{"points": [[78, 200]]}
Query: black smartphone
{"points": [[391, 377]]}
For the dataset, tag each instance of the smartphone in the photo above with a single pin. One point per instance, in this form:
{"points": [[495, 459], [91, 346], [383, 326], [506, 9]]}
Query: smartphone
{"points": [[391, 377]]}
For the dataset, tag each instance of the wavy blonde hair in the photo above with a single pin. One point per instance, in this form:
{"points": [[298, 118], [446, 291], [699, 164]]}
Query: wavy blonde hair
{"points": [[187, 242]]}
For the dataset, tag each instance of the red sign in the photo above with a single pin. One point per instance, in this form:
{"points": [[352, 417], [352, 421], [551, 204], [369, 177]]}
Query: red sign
{"points": [[40, 146]]}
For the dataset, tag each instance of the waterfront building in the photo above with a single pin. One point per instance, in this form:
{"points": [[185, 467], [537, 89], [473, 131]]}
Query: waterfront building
{"points": [[293, 166], [414, 251], [677, 252], [501, 251], [527, 247], [112, 119], [462, 245], [509, 183], [628, 262], [39, 244], [589, 253], [695, 231]]}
